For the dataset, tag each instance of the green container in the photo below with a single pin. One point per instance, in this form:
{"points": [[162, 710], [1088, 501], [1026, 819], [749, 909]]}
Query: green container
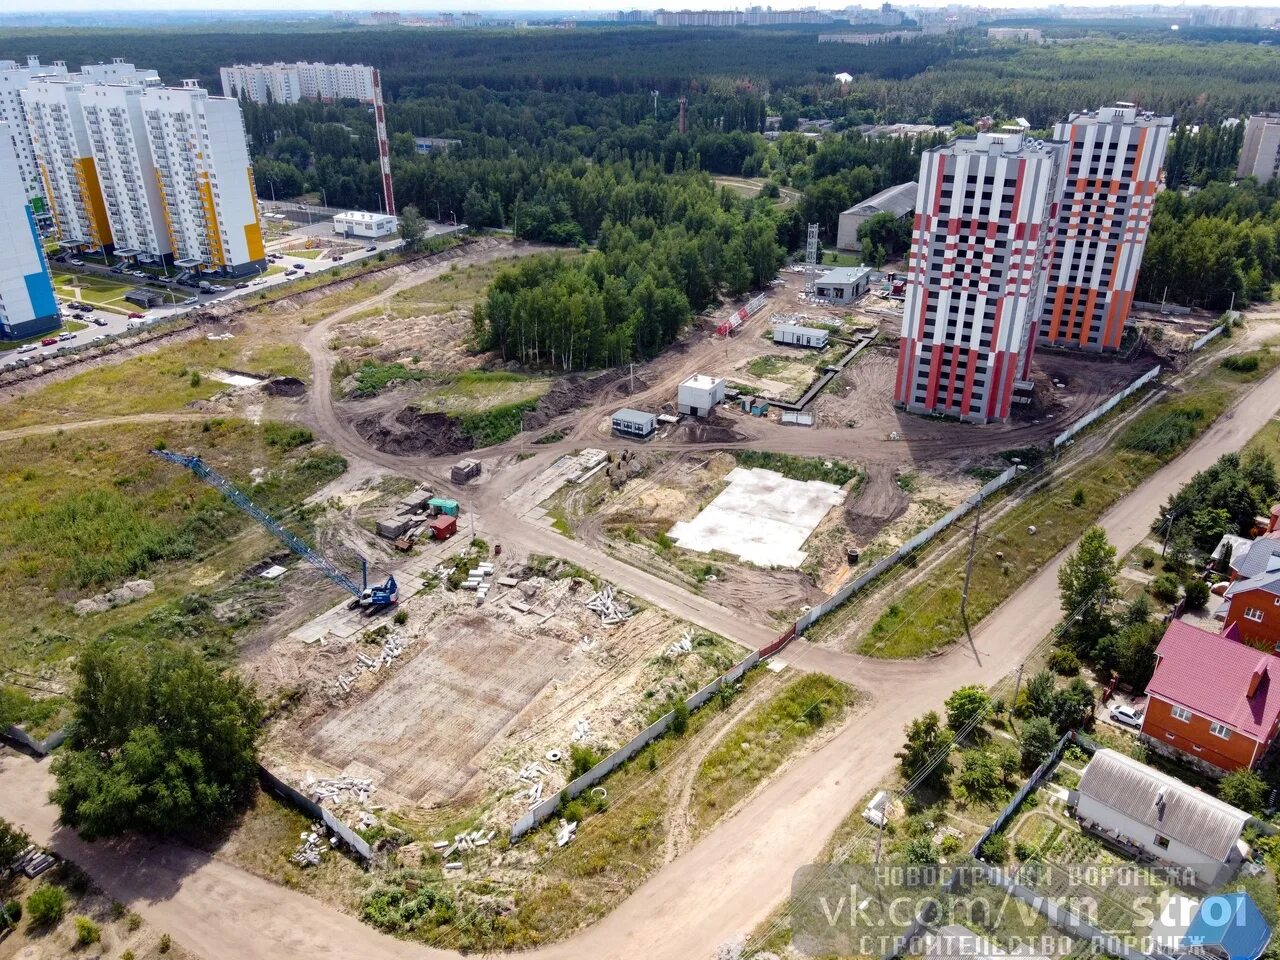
{"points": [[440, 505]]}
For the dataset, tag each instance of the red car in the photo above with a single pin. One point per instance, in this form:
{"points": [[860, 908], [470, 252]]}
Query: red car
{"points": [[49, 342], [135, 316]]}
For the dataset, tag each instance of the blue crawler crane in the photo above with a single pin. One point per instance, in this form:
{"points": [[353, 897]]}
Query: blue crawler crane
{"points": [[373, 599]]}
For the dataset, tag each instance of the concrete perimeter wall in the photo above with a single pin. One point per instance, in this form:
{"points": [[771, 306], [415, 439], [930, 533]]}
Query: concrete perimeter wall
{"points": [[1102, 410]]}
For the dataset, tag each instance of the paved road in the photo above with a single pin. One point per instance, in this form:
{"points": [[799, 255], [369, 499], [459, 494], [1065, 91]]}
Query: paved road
{"points": [[721, 888]]}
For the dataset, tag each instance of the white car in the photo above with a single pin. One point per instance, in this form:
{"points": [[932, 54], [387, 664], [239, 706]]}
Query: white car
{"points": [[190, 301], [27, 348], [1127, 716], [76, 263]]}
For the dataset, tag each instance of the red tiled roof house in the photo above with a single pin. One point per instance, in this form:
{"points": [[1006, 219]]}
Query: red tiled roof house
{"points": [[1212, 698]]}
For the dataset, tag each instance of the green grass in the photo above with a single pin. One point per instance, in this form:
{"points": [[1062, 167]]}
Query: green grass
{"points": [[84, 511], [760, 742], [837, 472], [68, 326], [926, 616], [496, 424]]}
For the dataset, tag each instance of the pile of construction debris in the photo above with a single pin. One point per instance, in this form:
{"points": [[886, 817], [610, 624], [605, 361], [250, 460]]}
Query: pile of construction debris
{"points": [[312, 846], [478, 580], [610, 609], [567, 830], [335, 790], [392, 649], [682, 646], [581, 729], [462, 843], [126, 593], [532, 774]]}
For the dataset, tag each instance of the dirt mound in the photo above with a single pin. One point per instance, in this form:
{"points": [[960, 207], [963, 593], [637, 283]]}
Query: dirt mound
{"points": [[284, 387], [570, 393], [878, 503], [127, 593], [711, 430], [410, 431]]}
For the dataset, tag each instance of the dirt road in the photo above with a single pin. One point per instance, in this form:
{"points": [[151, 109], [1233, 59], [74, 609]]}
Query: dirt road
{"points": [[724, 885]]}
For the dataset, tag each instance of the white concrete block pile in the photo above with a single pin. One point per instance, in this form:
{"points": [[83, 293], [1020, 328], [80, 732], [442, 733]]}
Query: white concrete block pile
{"points": [[336, 790], [581, 729], [466, 842], [532, 774], [479, 580], [565, 832], [611, 609], [681, 647], [392, 649], [311, 846]]}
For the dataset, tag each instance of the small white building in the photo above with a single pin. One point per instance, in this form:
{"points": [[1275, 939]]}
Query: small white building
{"points": [[360, 224], [795, 335], [699, 394], [843, 284], [1137, 806], [634, 423]]}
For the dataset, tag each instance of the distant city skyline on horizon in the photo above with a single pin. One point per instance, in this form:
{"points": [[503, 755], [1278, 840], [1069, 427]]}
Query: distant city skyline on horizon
{"points": [[283, 9]]}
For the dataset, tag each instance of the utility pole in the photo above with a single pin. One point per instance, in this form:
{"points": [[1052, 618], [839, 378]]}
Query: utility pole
{"points": [[1017, 684], [968, 567]]}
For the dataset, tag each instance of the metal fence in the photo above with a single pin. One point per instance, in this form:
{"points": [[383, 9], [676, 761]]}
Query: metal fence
{"points": [[41, 747], [353, 840], [1101, 411], [637, 743], [811, 616]]}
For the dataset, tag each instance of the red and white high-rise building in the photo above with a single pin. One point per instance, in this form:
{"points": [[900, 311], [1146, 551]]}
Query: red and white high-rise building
{"points": [[1113, 173], [982, 242]]}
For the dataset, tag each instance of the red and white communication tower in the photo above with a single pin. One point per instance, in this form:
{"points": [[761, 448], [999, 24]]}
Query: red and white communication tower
{"points": [[384, 146]]}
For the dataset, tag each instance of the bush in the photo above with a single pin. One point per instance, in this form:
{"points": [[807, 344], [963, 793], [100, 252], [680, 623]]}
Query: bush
{"points": [[1244, 789], [46, 905], [1241, 363], [1166, 588], [1197, 593], [1022, 851], [1164, 430], [995, 849], [11, 913], [581, 759], [1064, 662], [286, 436], [680, 721], [1077, 498], [87, 932], [165, 943], [401, 618]]}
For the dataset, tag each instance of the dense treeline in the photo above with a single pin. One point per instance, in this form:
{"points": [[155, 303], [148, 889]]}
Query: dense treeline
{"points": [[1217, 244], [668, 245]]}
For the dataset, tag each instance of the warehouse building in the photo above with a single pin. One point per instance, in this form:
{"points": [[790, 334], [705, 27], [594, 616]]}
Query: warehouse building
{"points": [[794, 335], [699, 394], [843, 284], [1260, 153], [634, 423], [899, 201], [357, 223]]}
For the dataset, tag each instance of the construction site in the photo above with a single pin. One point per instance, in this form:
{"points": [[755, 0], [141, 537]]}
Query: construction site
{"points": [[505, 578]]}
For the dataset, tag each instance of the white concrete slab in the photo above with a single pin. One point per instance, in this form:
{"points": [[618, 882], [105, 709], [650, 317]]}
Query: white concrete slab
{"points": [[761, 517]]}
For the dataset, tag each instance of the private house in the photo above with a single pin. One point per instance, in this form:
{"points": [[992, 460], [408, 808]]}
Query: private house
{"points": [[1211, 698], [1137, 807], [1252, 609], [1228, 926]]}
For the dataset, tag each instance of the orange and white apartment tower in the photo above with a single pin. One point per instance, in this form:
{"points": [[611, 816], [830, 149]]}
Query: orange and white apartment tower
{"points": [[982, 242], [1113, 172]]}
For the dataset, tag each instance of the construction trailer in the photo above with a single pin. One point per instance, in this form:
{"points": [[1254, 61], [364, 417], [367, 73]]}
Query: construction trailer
{"points": [[440, 506], [843, 284], [464, 470], [634, 423], [756, 406], [794, 335], [699, 394], [443, 527]]}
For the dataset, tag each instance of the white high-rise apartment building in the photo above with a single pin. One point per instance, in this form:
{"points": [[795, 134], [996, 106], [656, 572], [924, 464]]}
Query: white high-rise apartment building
{"points": [[262, 82], [985, 227], [205, 177], [291, 82], [126, 175], [13, 80], [149, 171], [27, 304], [1113, 173]]}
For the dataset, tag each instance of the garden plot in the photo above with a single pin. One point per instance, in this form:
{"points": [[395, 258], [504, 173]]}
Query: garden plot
{"points": [[761, 517]]}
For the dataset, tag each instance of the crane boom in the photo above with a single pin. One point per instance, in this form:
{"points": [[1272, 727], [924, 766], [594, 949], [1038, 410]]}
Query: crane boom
{"points": [[232, 493]]}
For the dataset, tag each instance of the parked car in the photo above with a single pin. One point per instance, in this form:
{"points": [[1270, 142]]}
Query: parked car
{"points": [[117, 269], [76, 262], [66, 336], [26, 348], [257, 281], [135, 316], [336, 257], [49, 342], [97, 321], [242, 285], [98, 339], [1127, 716], [371, 248]]}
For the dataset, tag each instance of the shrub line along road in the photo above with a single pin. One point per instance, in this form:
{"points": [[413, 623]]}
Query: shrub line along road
{"points": [[725, 884]]}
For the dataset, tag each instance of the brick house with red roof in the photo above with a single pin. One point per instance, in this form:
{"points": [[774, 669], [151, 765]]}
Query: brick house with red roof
{"points": [[1213, 698]]}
